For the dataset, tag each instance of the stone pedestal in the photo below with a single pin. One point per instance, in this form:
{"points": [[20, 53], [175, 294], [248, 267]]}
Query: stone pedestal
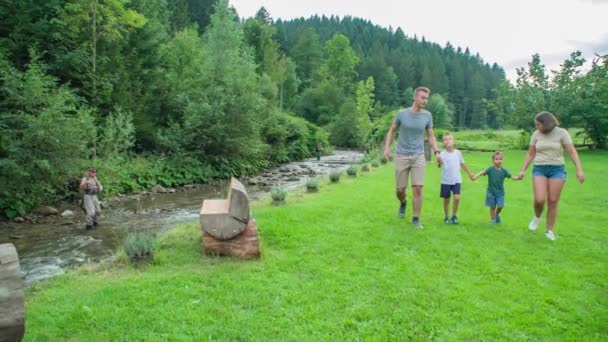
{"points": [[12, 311], [245, 245]]}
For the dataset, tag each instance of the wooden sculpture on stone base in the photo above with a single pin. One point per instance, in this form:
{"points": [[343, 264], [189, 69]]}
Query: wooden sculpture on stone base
{"points": [[12, 310], [228, 227]]}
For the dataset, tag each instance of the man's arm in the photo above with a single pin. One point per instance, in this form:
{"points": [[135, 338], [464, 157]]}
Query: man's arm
{"points": [[433, 143], [99, 186], [389, 141]]}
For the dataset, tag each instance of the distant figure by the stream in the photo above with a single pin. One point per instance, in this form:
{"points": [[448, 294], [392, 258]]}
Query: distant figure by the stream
{"points": [[90, 187], [319, 150]]}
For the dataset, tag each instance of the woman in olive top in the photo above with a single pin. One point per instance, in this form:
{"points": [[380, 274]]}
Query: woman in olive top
{"points": [[549, 174]]}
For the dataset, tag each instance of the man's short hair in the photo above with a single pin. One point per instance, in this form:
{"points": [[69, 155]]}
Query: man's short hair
{"points": [[423, 89], [92, 168]]}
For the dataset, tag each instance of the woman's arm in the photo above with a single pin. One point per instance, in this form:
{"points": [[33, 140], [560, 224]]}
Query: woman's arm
{"points": [[580, 175], [529, 157]]}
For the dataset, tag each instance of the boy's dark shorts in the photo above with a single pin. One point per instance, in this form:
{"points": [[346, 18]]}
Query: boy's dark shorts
{"points": [[448, 189]]}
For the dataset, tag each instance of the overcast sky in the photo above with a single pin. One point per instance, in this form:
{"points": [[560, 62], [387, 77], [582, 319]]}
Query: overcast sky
{"points": [[507, 32]]}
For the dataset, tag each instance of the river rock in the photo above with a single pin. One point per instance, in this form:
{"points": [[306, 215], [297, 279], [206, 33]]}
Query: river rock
{"points": [[18, 219], [67, 213], [158, 189], [46, 211]]}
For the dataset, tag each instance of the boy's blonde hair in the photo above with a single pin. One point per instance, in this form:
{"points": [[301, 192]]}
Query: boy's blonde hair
{"points": [[496, 153]]}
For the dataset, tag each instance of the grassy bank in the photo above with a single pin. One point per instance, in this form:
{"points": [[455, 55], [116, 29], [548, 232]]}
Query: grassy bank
{"points": [[339, 265]]}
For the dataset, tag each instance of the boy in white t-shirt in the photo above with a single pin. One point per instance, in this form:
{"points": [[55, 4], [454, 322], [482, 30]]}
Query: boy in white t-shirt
{"points": [[451, 180]]}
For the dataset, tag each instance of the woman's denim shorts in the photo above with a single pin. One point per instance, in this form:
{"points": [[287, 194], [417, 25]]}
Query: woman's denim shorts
{"points": [[549, 171]]}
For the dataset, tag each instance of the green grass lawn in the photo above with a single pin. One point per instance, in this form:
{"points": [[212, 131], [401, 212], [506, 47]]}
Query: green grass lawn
{"points": [[339, 265]]}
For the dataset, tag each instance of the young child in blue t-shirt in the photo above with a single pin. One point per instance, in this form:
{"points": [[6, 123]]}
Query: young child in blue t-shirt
{"points": [[495, 195], [451, 161]]}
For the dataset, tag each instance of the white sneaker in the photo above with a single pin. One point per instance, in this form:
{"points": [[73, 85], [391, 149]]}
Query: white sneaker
{"points": [[550, 235], [534, 223]]}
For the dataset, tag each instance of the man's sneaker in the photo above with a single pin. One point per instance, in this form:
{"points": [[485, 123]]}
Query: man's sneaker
{"points": [[550, 235], [498, 219], [446, 220], [534, 223], [401, 212], [454, 220], [493, 221], [417, 224]]}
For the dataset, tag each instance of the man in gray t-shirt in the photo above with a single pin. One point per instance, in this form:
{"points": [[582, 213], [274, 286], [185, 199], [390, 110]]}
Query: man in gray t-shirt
{"points": [[409, 157]]}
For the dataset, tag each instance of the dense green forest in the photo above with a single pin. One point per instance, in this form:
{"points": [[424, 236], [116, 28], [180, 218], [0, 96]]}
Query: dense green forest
{"points": [[180, 91]]}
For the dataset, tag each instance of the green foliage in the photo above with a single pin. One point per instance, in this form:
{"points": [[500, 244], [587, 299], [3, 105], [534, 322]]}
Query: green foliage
{"points": [[344, 131], [46, 134], [138, 246], [334, 176], [221, 114], [321, 104], [312, 184], [118, 133], [439, 132], [278, 194], [589, 104], [341, 62], [365, 168], [351, 171], [440, 109], [523, 140], [307, 53], [291, 138], [577, 99], [364, 97], [375, 163], [379, 129]]}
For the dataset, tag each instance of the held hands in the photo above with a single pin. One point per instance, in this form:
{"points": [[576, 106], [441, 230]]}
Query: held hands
{"points": [[439, 160]]}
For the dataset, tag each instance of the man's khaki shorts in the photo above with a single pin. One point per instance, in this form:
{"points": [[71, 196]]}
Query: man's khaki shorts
{"points": [[406, 164]]}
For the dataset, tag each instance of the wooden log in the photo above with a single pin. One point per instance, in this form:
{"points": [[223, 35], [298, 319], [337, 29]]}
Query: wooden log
{"points": [[216, 220], [12, 311], [245, 245], [225, 219], [239, 201]]}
